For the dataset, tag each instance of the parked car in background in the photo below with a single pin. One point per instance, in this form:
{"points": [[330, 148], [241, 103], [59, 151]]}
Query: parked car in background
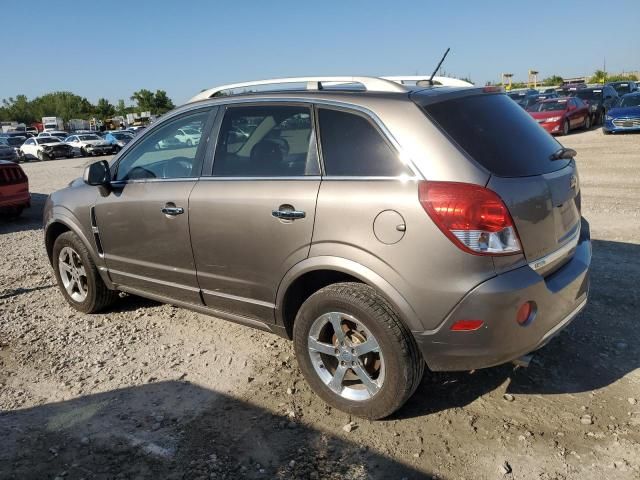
{"points": [[53, 133], [566, 90], [14, 142], [89, 144], [45, 148], [258, 229], [561, 115], [189, 136], [523, 97], [599, 99], [7, 152], [624, 115], [624, 87], [118, 139], [14, 190]]}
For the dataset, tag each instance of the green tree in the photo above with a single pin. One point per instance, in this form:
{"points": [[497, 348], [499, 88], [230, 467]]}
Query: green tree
{"points": [[599, 76], [144, 99], [622, 78], [19, 109], [121, 108], [104, 109], [147, 101], [552, 81], [162, 103]]}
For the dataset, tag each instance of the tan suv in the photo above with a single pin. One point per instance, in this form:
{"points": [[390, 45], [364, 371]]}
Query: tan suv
{"points": [[379, 225]]}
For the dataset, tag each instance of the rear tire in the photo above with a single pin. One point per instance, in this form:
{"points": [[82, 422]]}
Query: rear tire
{"points": [[392, 369], [83, 287]]}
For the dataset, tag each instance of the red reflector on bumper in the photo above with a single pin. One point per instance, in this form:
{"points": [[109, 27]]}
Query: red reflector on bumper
{"points": [[466, 325]]}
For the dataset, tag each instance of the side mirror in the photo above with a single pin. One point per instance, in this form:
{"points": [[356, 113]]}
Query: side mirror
{"points": [[97, 174]]}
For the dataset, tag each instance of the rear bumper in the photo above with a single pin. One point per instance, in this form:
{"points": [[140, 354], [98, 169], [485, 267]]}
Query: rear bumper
{"points": [[22, 199], [559, 298]]}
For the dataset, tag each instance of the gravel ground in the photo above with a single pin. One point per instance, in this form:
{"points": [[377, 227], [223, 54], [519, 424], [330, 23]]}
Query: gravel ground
{"points": [[151, 391]]}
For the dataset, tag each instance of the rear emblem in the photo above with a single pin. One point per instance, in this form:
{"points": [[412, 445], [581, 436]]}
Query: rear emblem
{"points": [[573, 183]]}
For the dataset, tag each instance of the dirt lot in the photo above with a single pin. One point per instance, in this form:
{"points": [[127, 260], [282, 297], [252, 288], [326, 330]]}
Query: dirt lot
{"points": [[151, 391]]}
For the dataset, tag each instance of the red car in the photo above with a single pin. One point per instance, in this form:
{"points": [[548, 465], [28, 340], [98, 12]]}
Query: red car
{"points": [[14, 189], [561, 115]]}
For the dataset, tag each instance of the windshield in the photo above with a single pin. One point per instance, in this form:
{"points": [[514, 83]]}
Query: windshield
{"points": [[15, 141], [629, 101], [621, 88], [588, 94], [88, 137], [122, 136], [548, 106], [48, 140], [516, 95]]}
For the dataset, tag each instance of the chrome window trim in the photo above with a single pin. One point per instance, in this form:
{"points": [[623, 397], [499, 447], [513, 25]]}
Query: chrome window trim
{"points": [[117, 183], [557, 254], [317, 178]]}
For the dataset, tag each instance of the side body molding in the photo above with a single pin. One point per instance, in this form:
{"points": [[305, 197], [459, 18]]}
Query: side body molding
{"points": [[366, 275]]}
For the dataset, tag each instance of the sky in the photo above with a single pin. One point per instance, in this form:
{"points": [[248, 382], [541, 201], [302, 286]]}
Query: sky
{"points": [[111, 49]]}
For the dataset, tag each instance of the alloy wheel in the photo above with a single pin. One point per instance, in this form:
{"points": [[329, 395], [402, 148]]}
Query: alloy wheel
{"points": [[73, 274], [346, 356]]}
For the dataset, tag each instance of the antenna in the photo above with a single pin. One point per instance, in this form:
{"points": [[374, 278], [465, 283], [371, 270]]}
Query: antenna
{"points": [[438, 67]]}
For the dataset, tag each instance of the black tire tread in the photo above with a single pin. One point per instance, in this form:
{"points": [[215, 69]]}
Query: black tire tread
{"points": [[103, 295], [369, 299]]}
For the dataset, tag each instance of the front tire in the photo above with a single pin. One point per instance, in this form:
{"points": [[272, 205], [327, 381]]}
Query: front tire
{"points": [[42, 156], [587, 122], [355, 352], [78, 277], [83, 152], [566, 128]]}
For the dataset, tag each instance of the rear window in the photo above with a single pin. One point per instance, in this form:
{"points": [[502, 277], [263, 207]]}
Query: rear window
{"points": [[498, 134]]}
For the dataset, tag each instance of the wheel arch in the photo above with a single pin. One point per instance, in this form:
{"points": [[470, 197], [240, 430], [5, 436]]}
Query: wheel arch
{"points": [[62, 223], [309, 276]]}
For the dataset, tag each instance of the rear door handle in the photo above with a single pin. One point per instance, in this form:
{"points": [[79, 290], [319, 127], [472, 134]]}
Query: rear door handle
{"points": [[172, 210], [288, 214]]}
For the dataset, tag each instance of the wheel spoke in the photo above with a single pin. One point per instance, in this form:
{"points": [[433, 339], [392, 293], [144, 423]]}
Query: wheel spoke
{"points": [[336, 382], [63, 266], [371, 345], [366, 380], [321, 347], [81, 271], [336, 322]]}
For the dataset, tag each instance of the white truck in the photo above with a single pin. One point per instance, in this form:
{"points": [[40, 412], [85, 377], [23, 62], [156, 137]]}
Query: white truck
{"points": [[52, 123]]}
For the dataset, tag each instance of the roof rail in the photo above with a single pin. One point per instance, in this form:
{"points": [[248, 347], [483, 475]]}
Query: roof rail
{"points": [[443, 81], [371, 84]]}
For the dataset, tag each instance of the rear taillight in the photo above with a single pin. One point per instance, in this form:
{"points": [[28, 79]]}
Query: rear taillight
{"points": [[473, 217]]}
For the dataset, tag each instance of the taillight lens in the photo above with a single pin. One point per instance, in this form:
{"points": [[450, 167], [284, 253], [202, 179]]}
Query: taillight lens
{"points": [[473, 217]]}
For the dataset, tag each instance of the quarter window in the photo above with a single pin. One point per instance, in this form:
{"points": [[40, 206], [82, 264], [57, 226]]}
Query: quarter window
{"points": [[352, 146], [266, 141], [164, 152]]}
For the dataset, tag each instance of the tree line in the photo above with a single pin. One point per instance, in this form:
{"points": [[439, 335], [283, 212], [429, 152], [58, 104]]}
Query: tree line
{"points": [[68, 105], [598, 76]]}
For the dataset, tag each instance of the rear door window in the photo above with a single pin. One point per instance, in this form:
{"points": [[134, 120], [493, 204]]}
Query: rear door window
{"points": [[352, 146], [266, 141], [497, 134]]}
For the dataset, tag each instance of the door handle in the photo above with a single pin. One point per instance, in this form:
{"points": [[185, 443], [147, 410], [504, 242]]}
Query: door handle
{"points": [[288, 214], [168, 210]]}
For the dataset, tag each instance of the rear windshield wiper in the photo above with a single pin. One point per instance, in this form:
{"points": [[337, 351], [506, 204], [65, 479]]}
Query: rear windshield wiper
{"points": [[563, 154]]}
